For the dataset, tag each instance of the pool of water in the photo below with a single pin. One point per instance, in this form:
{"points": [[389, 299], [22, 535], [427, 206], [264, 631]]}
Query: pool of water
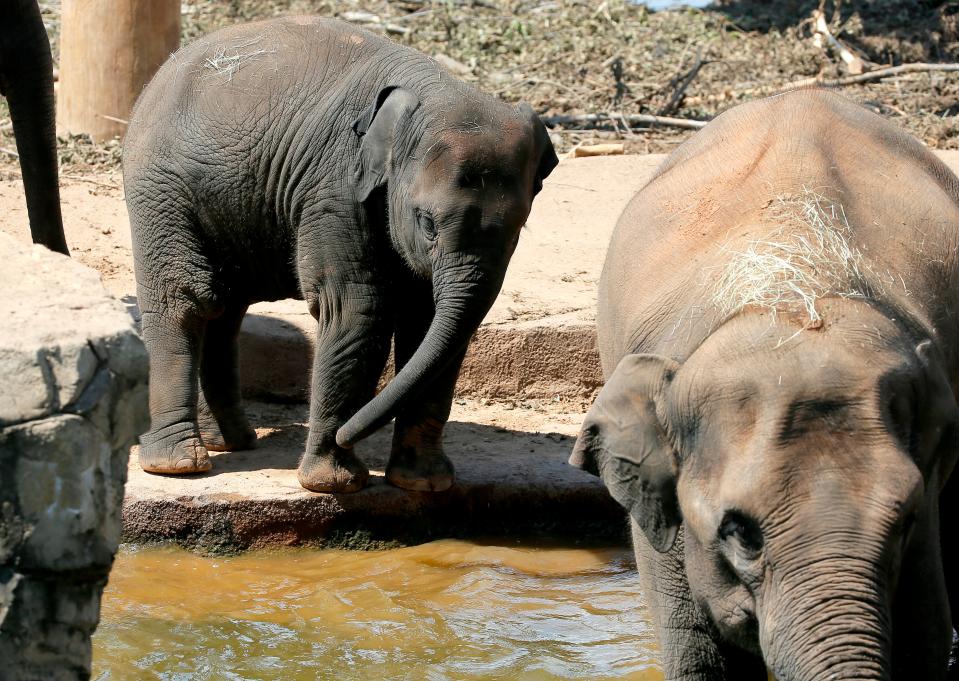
{"points": [[444, 610]]}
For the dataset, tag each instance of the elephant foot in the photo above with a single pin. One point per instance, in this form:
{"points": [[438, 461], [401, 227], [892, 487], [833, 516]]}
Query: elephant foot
{"points": [[340, 472], [228, 435], [424, 471], [182, 458], [217, 442], [234, 439]]}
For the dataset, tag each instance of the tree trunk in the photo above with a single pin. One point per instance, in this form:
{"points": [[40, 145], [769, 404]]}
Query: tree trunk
{"points": [[109, 49]]}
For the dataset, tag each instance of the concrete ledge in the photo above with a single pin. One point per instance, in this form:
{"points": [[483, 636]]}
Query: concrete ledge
{"points": [[509, 482], [537, 359]]}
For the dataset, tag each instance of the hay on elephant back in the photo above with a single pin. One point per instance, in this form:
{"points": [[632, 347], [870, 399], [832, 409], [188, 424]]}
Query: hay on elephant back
{"points": [[806, 257], [227, 60]]}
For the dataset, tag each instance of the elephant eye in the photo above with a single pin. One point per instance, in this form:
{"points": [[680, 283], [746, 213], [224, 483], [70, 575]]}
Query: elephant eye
{"points": [[425, 223], [472, 179], [900, 414], [744, 531]]}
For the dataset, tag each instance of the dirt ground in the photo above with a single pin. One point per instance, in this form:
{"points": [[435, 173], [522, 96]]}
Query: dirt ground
{"points": [[615, 56], [576, 212]]}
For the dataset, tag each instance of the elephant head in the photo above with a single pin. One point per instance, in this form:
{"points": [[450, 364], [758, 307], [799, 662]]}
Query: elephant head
{"points": [[459, 176], [804, 469], [26, 80]]}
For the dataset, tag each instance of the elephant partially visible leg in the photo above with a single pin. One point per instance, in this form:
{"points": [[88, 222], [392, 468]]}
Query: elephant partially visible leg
{"points": [[417, 460], [689, 646], [922, 635], [174, 341], [26, 80], [352, 344], [176, 298], [223, 424], [948, 528]]}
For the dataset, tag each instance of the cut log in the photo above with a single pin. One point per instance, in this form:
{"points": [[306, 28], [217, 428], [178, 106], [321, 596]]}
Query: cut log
{"points": [[109, 49]]}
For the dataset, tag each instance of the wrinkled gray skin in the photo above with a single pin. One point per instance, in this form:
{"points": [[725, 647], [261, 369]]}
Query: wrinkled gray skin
{"points": [[261, 163], [26, 80], [788, 480]]}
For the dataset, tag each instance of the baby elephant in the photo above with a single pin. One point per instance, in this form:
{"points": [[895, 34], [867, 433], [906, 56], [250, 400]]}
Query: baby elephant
{"points": [[779, 323], [302, 157]]}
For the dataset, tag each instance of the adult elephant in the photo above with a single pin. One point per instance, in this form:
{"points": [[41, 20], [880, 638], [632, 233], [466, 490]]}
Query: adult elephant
{"points": [[779, 327], [26, 80], [302, 157]]}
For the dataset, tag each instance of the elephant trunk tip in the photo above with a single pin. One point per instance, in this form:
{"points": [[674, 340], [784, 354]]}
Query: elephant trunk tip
{"points": [[347, 436]]}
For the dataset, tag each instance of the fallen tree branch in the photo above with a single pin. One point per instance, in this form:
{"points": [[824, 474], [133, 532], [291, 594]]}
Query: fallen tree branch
{"points": [[680, 83], [9, 152], [878, 74], [90, 180], [819, 81], [606, 149], [631, 119], [854, 64]]}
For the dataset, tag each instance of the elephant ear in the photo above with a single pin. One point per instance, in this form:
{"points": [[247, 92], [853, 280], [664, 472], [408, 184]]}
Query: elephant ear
{"points": [[378, 127], [546, 158], [939, 418], [624, 443]]}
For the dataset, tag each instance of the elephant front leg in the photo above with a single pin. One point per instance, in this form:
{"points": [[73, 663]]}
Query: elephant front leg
{"points": [[949, 539], [352, 345], [689, 644], [921, 626], [417, 460]]}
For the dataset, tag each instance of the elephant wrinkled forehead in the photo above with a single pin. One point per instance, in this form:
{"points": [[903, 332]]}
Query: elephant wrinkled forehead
{"points": [[756, 355], [480, 139]]}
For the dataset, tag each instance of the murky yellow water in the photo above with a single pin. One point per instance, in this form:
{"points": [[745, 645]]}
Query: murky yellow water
{"points": [[445, 610]]}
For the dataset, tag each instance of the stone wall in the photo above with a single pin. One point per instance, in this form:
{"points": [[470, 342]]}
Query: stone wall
{"points": [[73, 398]]}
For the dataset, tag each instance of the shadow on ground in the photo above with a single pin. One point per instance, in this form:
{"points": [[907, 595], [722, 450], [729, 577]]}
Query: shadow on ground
{"points": [[510, 483], [884, 29]]}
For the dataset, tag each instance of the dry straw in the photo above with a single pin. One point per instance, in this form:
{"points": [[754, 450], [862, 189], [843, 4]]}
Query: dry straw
{"points": [[227, 60], [807, 257]]}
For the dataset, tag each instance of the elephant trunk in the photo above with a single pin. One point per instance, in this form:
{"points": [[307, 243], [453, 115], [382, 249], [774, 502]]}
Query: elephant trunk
{"points": [[834, 624], [26, 76], [463, 294]]}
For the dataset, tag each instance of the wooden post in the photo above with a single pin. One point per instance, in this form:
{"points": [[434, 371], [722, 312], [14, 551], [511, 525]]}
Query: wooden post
{"points": [[109, 49]]}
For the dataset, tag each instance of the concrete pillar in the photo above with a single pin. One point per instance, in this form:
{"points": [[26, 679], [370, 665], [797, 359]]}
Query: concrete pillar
{"points": [[109, 49], [73, 397]]}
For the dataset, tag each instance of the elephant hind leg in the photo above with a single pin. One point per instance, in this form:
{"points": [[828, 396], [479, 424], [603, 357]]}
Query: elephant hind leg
{"points": [[176, 297], [223, 424], [173, 445]]}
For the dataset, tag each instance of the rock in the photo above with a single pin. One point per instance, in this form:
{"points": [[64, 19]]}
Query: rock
{"points": [[359, 17], [73, 398], [457, 68]]}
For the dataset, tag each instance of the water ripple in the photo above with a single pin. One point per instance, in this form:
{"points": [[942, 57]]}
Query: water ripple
{"points": [[448, 610]]}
